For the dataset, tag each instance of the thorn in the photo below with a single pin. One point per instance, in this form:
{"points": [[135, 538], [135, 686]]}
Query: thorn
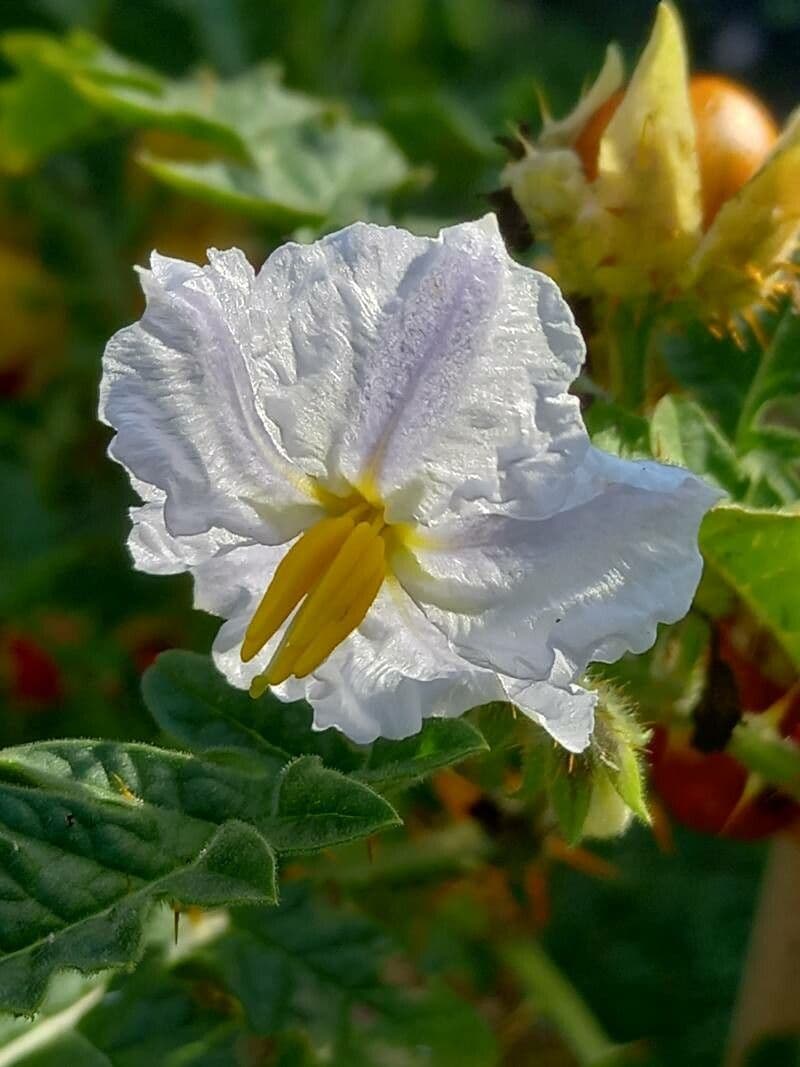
{"points": [[571, 763], [371, 849], [176, 917], [752, 787]]}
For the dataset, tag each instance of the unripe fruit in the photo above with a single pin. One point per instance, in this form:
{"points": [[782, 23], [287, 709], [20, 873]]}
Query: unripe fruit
{"points": [[735, 133]]}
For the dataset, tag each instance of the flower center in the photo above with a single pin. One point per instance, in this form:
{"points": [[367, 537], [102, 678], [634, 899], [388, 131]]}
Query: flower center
{"points": [[338, 566]]}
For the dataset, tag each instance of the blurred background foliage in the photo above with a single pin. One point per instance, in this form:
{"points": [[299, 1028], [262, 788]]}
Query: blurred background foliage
{"points": [[417, 91]]}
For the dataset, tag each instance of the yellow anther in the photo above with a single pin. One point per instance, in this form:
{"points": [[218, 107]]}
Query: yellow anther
{"points": [[344, 564], [297, 572], [316, 609], [336, 630]]}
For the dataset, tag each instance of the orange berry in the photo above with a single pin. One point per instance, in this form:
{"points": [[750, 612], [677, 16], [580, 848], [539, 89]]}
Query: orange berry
{"points": [[735, 133]]}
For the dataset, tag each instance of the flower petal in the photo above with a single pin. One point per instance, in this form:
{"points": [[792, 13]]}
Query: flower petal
{"points": [[463, 398], [177, 388], [538, 600], [567, 714], [418, 369]]}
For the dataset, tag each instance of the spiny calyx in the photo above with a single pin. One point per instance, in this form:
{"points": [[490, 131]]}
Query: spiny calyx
{"points": [[338, 565]]}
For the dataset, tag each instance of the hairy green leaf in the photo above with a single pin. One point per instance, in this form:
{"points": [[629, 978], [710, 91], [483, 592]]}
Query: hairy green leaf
{"points": [[313, 806], [191, 701], [440, 743], [92, 832]]}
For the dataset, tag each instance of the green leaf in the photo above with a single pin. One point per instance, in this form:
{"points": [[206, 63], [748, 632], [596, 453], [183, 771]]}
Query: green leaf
{"points": [[192, 702], [151, 1017], [64, 909], [79, 71], [757, 552], [304, 173], [771, 409], [681, 432], [69, 996], [305, 961], [92, 832], [42, 109], [768, 432], [31, 127], [233, 114], [271, 958], [440, 743], [286, 158], [313, 806], [536, 764]]}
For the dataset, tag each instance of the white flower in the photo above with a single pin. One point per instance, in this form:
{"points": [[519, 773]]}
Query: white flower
{"points": [[402, 403]]}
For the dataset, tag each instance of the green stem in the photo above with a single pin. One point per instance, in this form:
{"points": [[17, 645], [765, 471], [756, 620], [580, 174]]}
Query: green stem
{"points": [[555, 998], [628, 332]]}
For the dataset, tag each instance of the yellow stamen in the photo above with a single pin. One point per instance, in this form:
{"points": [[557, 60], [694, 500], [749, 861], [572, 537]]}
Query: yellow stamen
{"points": [[301, 567], [339, 566], [337, 629]]}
